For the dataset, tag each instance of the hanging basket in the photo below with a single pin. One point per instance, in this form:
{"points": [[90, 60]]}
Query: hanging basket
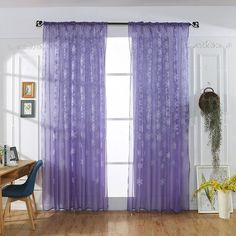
{"points": [[209, 101]]}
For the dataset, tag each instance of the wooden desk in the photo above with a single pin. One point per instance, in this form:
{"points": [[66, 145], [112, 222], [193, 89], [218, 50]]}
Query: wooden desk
{"points": [[9, 174]]}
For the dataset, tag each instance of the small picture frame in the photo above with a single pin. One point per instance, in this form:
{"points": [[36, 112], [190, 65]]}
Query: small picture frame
{"points": [[28, 89], [13, 154], [205, 173], [27, 108]]}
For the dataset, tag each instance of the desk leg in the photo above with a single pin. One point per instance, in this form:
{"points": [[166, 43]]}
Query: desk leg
{"points": [[1, 213]]}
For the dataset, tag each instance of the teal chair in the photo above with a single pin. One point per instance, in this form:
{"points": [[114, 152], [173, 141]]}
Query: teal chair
{"points": [[23, 192]]}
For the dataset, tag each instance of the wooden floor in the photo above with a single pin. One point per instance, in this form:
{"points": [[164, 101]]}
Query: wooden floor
{"points": [[120, 224]]}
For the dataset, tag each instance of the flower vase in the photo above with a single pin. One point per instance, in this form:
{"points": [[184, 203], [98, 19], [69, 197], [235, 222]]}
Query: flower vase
{"points": [[224, 204]]}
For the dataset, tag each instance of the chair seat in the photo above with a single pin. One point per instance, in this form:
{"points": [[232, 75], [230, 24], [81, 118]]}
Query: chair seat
{"points": [[15, 191]]}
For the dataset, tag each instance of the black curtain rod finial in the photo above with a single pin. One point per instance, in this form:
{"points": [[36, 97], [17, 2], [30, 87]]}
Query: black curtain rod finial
{"points": [[195, 24], [39, 23]]}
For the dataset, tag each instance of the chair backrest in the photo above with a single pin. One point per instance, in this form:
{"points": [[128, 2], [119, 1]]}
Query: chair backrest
{"points": [[30, 182]]}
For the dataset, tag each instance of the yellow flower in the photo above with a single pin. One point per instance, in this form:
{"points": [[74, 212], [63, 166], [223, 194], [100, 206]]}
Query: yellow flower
{"points": [[228, 184]]}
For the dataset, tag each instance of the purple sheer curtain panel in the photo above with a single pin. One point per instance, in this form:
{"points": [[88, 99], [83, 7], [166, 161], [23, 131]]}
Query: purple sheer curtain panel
{"points": [[73, 116], [159, 176]]}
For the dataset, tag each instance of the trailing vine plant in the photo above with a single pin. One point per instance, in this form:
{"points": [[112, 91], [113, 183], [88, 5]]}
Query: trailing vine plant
{"points": [[209, 104]]}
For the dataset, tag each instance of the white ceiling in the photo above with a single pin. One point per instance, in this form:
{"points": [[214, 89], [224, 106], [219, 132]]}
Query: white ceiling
{"points": [[90, 3]]}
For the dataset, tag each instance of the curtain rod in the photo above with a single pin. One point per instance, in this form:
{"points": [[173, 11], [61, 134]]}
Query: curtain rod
{"points": [[194, 24]]}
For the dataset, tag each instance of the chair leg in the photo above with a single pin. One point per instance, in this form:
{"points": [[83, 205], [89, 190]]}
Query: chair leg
{"points": [[35, 206], [9, 211], [7, 208], [32, 207], [30, 212]]}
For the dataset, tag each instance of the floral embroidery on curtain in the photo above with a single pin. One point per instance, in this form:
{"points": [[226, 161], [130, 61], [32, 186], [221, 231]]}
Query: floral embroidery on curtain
{"points": [[73, 116], [159, 176]]}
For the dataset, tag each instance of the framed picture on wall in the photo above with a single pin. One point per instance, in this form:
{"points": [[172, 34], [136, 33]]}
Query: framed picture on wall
{"points": [[205, 173], [28, 89], [27, 108]]}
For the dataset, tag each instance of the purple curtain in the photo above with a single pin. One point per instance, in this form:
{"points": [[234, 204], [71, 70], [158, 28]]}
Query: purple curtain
{"points": [[73, 116], [159, 176]]}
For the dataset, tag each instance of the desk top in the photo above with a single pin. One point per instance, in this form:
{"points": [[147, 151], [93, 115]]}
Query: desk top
{"points": [[21, 163]]}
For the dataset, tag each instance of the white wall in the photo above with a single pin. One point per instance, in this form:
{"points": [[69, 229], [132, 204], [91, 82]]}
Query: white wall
{"points": [[20, 23], [20, 60]]}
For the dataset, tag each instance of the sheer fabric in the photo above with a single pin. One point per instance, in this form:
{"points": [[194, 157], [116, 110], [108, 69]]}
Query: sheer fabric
{"points": [[73, 116], [159, 177]]}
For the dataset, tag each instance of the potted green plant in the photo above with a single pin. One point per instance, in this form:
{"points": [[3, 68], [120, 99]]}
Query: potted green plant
{"points": [[224, 189], [209, 104]]}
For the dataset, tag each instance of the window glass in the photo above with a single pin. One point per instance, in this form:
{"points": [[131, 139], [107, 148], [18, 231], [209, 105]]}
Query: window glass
{"points": [[117, 93], [117, 180], [117, 140], [117, 55], [118, 116]]}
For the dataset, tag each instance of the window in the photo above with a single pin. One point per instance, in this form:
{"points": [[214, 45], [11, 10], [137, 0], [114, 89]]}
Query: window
{"points": [[118, 115]]}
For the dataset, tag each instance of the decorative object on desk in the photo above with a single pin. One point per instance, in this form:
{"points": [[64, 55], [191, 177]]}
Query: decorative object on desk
{"points": [[12, 163], [1, 155], [28, 89], [207, 184], [7, 155], [209, 104], [27, 108], [14, 154]]}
